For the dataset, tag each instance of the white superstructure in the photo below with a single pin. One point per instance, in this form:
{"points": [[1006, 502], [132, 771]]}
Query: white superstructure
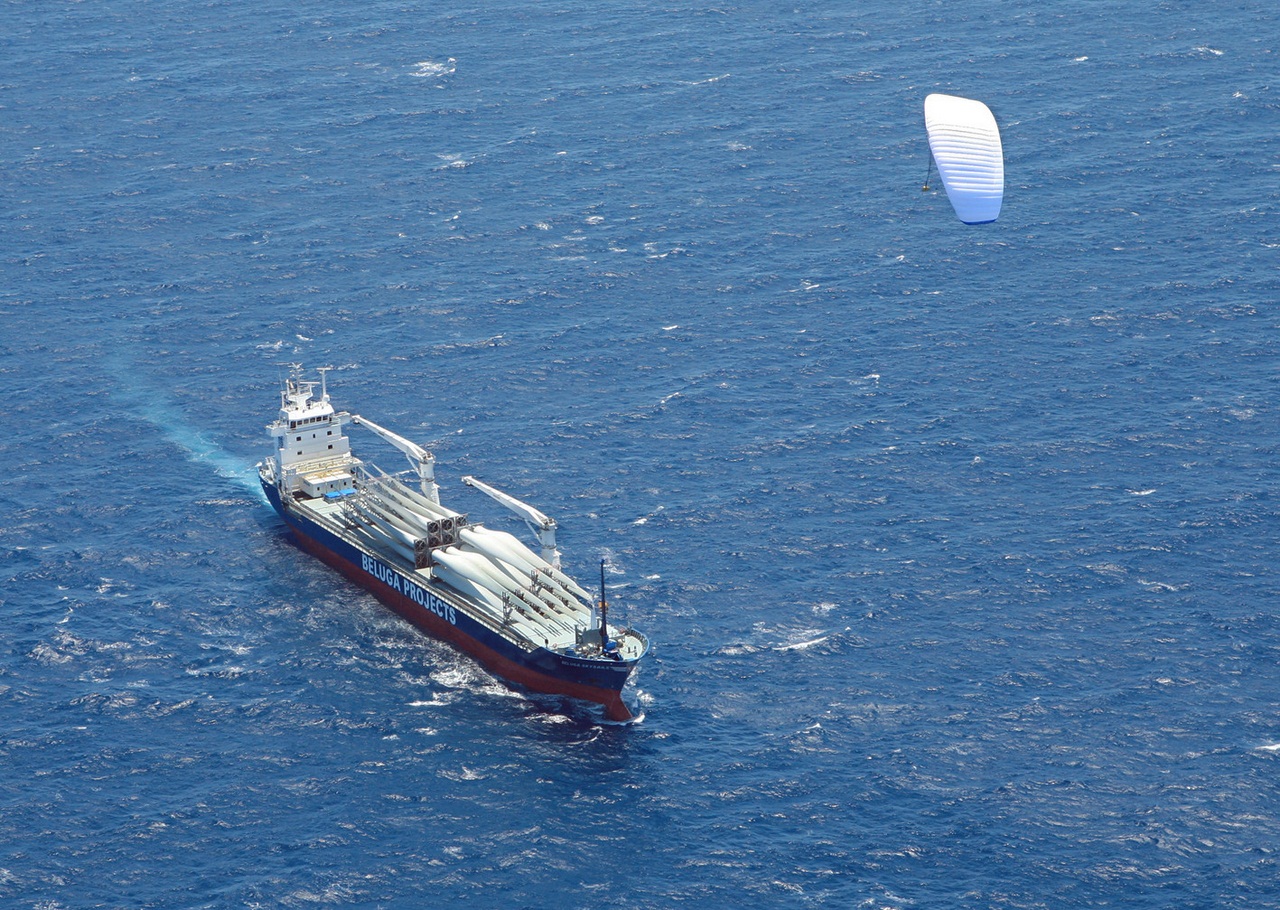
{"points": [[312, 455]]}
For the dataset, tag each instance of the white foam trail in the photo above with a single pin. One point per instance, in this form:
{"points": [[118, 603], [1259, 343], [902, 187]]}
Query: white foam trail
{"points": [[153, 406], [201, 450]]}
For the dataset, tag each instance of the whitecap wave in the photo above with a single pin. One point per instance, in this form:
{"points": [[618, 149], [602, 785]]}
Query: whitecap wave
{"points": [[802, 645], [428, 69]]}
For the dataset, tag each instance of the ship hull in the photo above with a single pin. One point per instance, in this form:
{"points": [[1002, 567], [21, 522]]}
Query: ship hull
{"points": [[443, 615]]}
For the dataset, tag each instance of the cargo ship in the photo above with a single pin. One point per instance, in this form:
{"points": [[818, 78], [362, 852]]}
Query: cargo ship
{"points": [[480, 589]]}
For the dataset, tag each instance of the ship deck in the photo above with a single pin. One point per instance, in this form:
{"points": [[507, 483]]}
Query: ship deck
{"points": [[557, 635]]}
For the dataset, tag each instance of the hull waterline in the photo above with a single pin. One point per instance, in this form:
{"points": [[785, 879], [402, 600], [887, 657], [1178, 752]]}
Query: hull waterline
{"points": [[531, 634]]}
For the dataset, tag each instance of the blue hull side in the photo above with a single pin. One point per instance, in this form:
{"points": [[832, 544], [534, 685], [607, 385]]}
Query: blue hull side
{"points": [[438, 614]]}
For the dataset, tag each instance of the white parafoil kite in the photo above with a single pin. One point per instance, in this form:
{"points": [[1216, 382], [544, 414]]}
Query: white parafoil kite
{"points": [[965, 143]]}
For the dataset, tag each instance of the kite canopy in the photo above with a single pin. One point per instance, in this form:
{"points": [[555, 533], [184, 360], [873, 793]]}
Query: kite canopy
{"points": [[965, 143]]}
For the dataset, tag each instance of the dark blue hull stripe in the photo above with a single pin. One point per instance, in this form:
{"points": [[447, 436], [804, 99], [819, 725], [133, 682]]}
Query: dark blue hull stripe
{"points": [[441, 616]]}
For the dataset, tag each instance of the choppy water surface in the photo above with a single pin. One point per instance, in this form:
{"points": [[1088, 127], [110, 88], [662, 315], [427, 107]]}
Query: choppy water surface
{"points": [[957, 545]]}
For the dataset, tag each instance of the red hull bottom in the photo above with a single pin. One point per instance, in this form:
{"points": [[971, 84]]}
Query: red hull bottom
{"points": [[505, 668]]}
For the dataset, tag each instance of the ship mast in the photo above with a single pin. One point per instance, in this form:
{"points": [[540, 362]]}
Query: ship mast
{"points": [[604, 611], [324, 389]]}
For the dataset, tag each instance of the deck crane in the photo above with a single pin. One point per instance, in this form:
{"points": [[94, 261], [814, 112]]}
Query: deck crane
{"points": [[540, 524], [420, 459]]}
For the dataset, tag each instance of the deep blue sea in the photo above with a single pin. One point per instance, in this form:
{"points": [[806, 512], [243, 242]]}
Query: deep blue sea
{"points": [[957, 546]]}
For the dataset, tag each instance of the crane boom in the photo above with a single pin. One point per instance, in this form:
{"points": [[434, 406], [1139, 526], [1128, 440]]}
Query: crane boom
{"points": [[540, 524], [420, 459]]}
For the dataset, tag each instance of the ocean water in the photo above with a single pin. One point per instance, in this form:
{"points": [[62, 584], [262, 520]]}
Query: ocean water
{"points": [[957, 545]]}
